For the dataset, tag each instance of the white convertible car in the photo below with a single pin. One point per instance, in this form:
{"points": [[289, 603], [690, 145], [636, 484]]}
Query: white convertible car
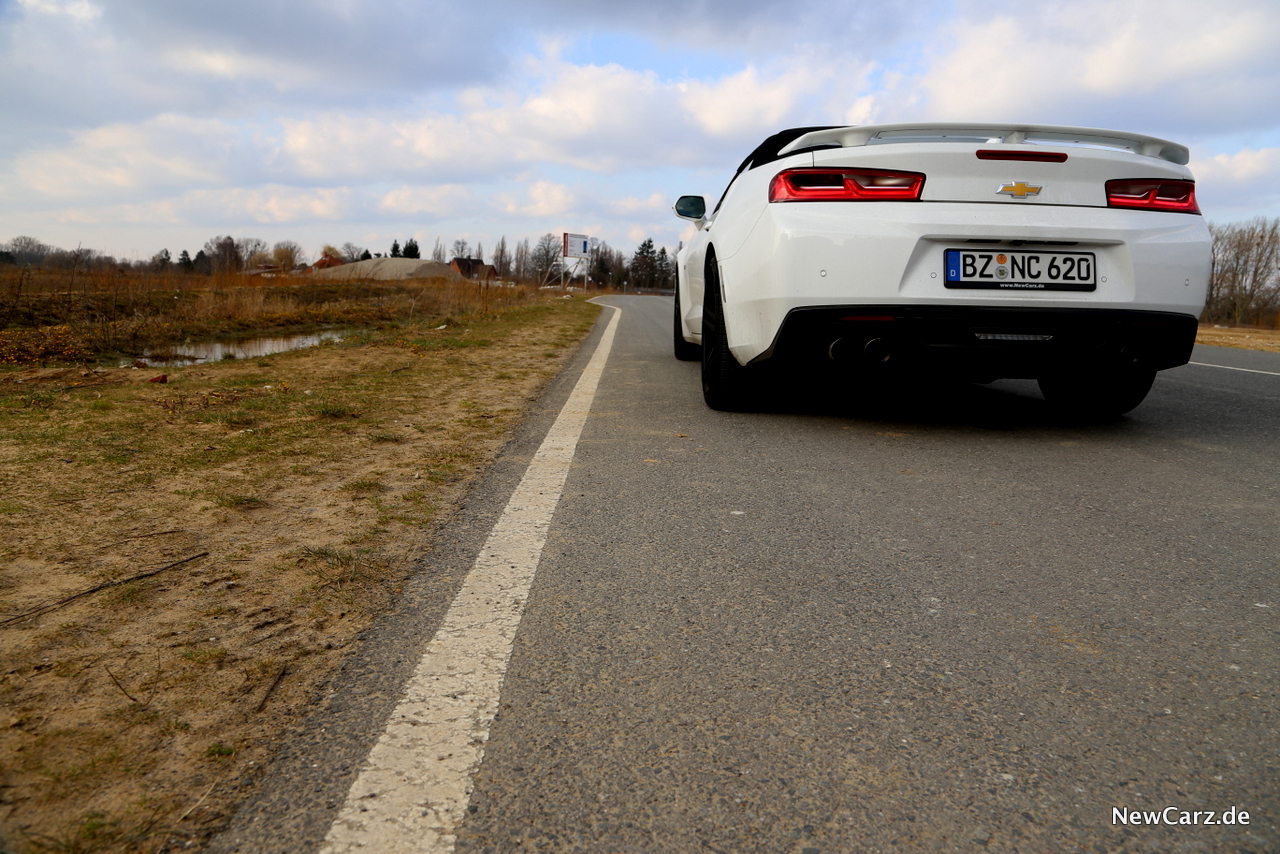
{"points": [[1074, 256]]}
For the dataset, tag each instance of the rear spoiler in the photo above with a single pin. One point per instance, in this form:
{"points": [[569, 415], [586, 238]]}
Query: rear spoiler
{"points": [[848, 137]]}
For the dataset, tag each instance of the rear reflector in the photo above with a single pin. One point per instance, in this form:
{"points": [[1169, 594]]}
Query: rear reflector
{"points": [[848, 185], [1153, 195], [1034, 156]]}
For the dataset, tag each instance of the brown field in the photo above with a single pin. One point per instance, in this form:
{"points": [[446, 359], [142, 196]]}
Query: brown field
{"points": [[1242, 337], [57, 316], [239, 525]]}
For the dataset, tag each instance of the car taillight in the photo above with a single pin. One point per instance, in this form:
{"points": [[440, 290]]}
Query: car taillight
{"points": [[845, 185], [1153, 195], [1033, 156]]}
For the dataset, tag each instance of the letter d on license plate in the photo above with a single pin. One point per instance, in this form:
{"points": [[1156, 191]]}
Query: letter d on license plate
{"points": [[1020, 270]]}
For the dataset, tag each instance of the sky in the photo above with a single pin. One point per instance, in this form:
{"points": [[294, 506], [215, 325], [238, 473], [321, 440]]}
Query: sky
{"points": [[131, 126]]}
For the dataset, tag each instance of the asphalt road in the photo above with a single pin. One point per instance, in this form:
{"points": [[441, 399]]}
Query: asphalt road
{"points": [[937, 621]]}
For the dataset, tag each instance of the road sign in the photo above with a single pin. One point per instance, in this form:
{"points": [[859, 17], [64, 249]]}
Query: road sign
{"points": [[575, 246]]}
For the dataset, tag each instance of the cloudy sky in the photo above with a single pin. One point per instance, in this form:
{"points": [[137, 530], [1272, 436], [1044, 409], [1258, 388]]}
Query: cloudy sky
{"points": [[135, 125]]}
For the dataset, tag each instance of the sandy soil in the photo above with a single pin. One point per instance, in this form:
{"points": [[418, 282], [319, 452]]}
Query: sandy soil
{"points": [[288, 497]]}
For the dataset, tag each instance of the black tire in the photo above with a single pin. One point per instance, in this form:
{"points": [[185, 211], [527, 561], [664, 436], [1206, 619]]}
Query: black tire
{"points": [[723, 379], [684, 351], [1099, 394]]}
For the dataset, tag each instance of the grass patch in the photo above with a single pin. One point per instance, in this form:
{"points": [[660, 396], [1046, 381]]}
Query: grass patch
{"points": [[120, 476], [215, 655], [240, 502], [333, 409]]}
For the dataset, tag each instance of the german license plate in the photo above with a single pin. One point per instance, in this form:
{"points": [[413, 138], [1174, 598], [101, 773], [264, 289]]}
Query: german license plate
{"points": [[1020, 270]]}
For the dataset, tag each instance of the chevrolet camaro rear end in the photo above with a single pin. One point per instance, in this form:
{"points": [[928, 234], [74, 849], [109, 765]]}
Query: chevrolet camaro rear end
{"points": [[1073, 256]]}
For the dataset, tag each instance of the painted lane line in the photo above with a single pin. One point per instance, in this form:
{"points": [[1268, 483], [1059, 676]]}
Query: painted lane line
{"points": [[414, 788], [1229, 368]]}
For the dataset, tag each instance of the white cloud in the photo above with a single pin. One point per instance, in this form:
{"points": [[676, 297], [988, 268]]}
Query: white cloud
{"points": [[1249, 166], [439, 200], [79, 10], [269, 204], [164, 152], [275, 204], [631, 205], [544, 199], [229, 65], [1172, 63], [745, 102], [1238, 185]]}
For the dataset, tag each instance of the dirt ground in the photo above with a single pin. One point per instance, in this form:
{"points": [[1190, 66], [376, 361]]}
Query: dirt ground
{"points": [[278, 505], [1243, 337]]}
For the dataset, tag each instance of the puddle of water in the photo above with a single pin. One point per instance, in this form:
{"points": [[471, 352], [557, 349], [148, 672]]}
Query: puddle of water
{"points": [[248, 348]]}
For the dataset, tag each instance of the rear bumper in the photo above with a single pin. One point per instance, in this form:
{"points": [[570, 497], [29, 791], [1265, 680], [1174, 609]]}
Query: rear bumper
{"points": [[981, 341], [892, 254]]}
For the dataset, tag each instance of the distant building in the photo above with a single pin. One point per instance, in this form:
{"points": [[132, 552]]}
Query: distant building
{"points": [[326, 261], [474, 268]]}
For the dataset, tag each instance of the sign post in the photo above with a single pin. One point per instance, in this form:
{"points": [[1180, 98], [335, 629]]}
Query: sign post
{"points": [[577, 247]]}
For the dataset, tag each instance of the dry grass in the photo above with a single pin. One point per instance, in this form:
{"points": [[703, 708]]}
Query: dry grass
{"points": [[49, 317], [129, 718], [1242, 337]]}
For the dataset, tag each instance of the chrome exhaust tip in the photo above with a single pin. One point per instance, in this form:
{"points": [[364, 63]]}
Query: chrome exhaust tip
{"points": [[878, 351]]}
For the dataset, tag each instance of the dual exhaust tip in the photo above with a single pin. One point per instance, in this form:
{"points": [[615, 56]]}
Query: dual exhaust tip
{"points": [[877, 351]]}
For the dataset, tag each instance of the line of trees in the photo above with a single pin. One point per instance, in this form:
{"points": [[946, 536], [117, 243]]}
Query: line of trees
{"points": [[538, 262], [1245, 285]]}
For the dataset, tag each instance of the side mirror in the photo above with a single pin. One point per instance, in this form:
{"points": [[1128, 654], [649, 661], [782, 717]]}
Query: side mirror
{"points": [[691, 207]]}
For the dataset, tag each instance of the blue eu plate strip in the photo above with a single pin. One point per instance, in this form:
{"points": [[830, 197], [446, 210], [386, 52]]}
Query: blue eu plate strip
{"points": [[953, 265]]}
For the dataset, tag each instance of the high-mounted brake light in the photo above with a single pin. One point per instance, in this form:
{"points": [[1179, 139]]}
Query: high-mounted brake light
{"points": [[1153, 195], [825, 184], [1033, 156]]}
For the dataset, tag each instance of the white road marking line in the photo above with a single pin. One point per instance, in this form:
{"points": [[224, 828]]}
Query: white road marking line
{"points": [[417, 781], [1229, 368]]}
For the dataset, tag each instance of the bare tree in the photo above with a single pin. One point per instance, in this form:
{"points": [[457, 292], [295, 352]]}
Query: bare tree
{"points": [[28, 250], [1245, 285], [521, 266], [287, 254], [254, 251], [224, 255], [502, 258], [437, 253], [545, 260], [461, 248], [352, 253], [480, 252]]}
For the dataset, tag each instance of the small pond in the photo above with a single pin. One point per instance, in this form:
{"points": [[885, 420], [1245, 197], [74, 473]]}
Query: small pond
{"points": [[245, 348]]}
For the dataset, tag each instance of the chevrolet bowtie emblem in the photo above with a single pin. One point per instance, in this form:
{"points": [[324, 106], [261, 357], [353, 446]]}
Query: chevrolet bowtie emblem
{"points": [[1020, 190]]}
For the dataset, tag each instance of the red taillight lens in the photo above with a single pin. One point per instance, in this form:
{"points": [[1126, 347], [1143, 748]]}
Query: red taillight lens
{"points": [[845, 185], [1033, 156], [1179, 196]]}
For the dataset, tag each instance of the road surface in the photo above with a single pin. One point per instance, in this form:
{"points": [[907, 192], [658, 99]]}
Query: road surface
{"points": [[933, 622]]}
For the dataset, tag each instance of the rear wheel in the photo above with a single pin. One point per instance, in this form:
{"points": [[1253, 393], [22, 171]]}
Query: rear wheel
{"points": [[685, 351], [723, 379], [1097, 394]]}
